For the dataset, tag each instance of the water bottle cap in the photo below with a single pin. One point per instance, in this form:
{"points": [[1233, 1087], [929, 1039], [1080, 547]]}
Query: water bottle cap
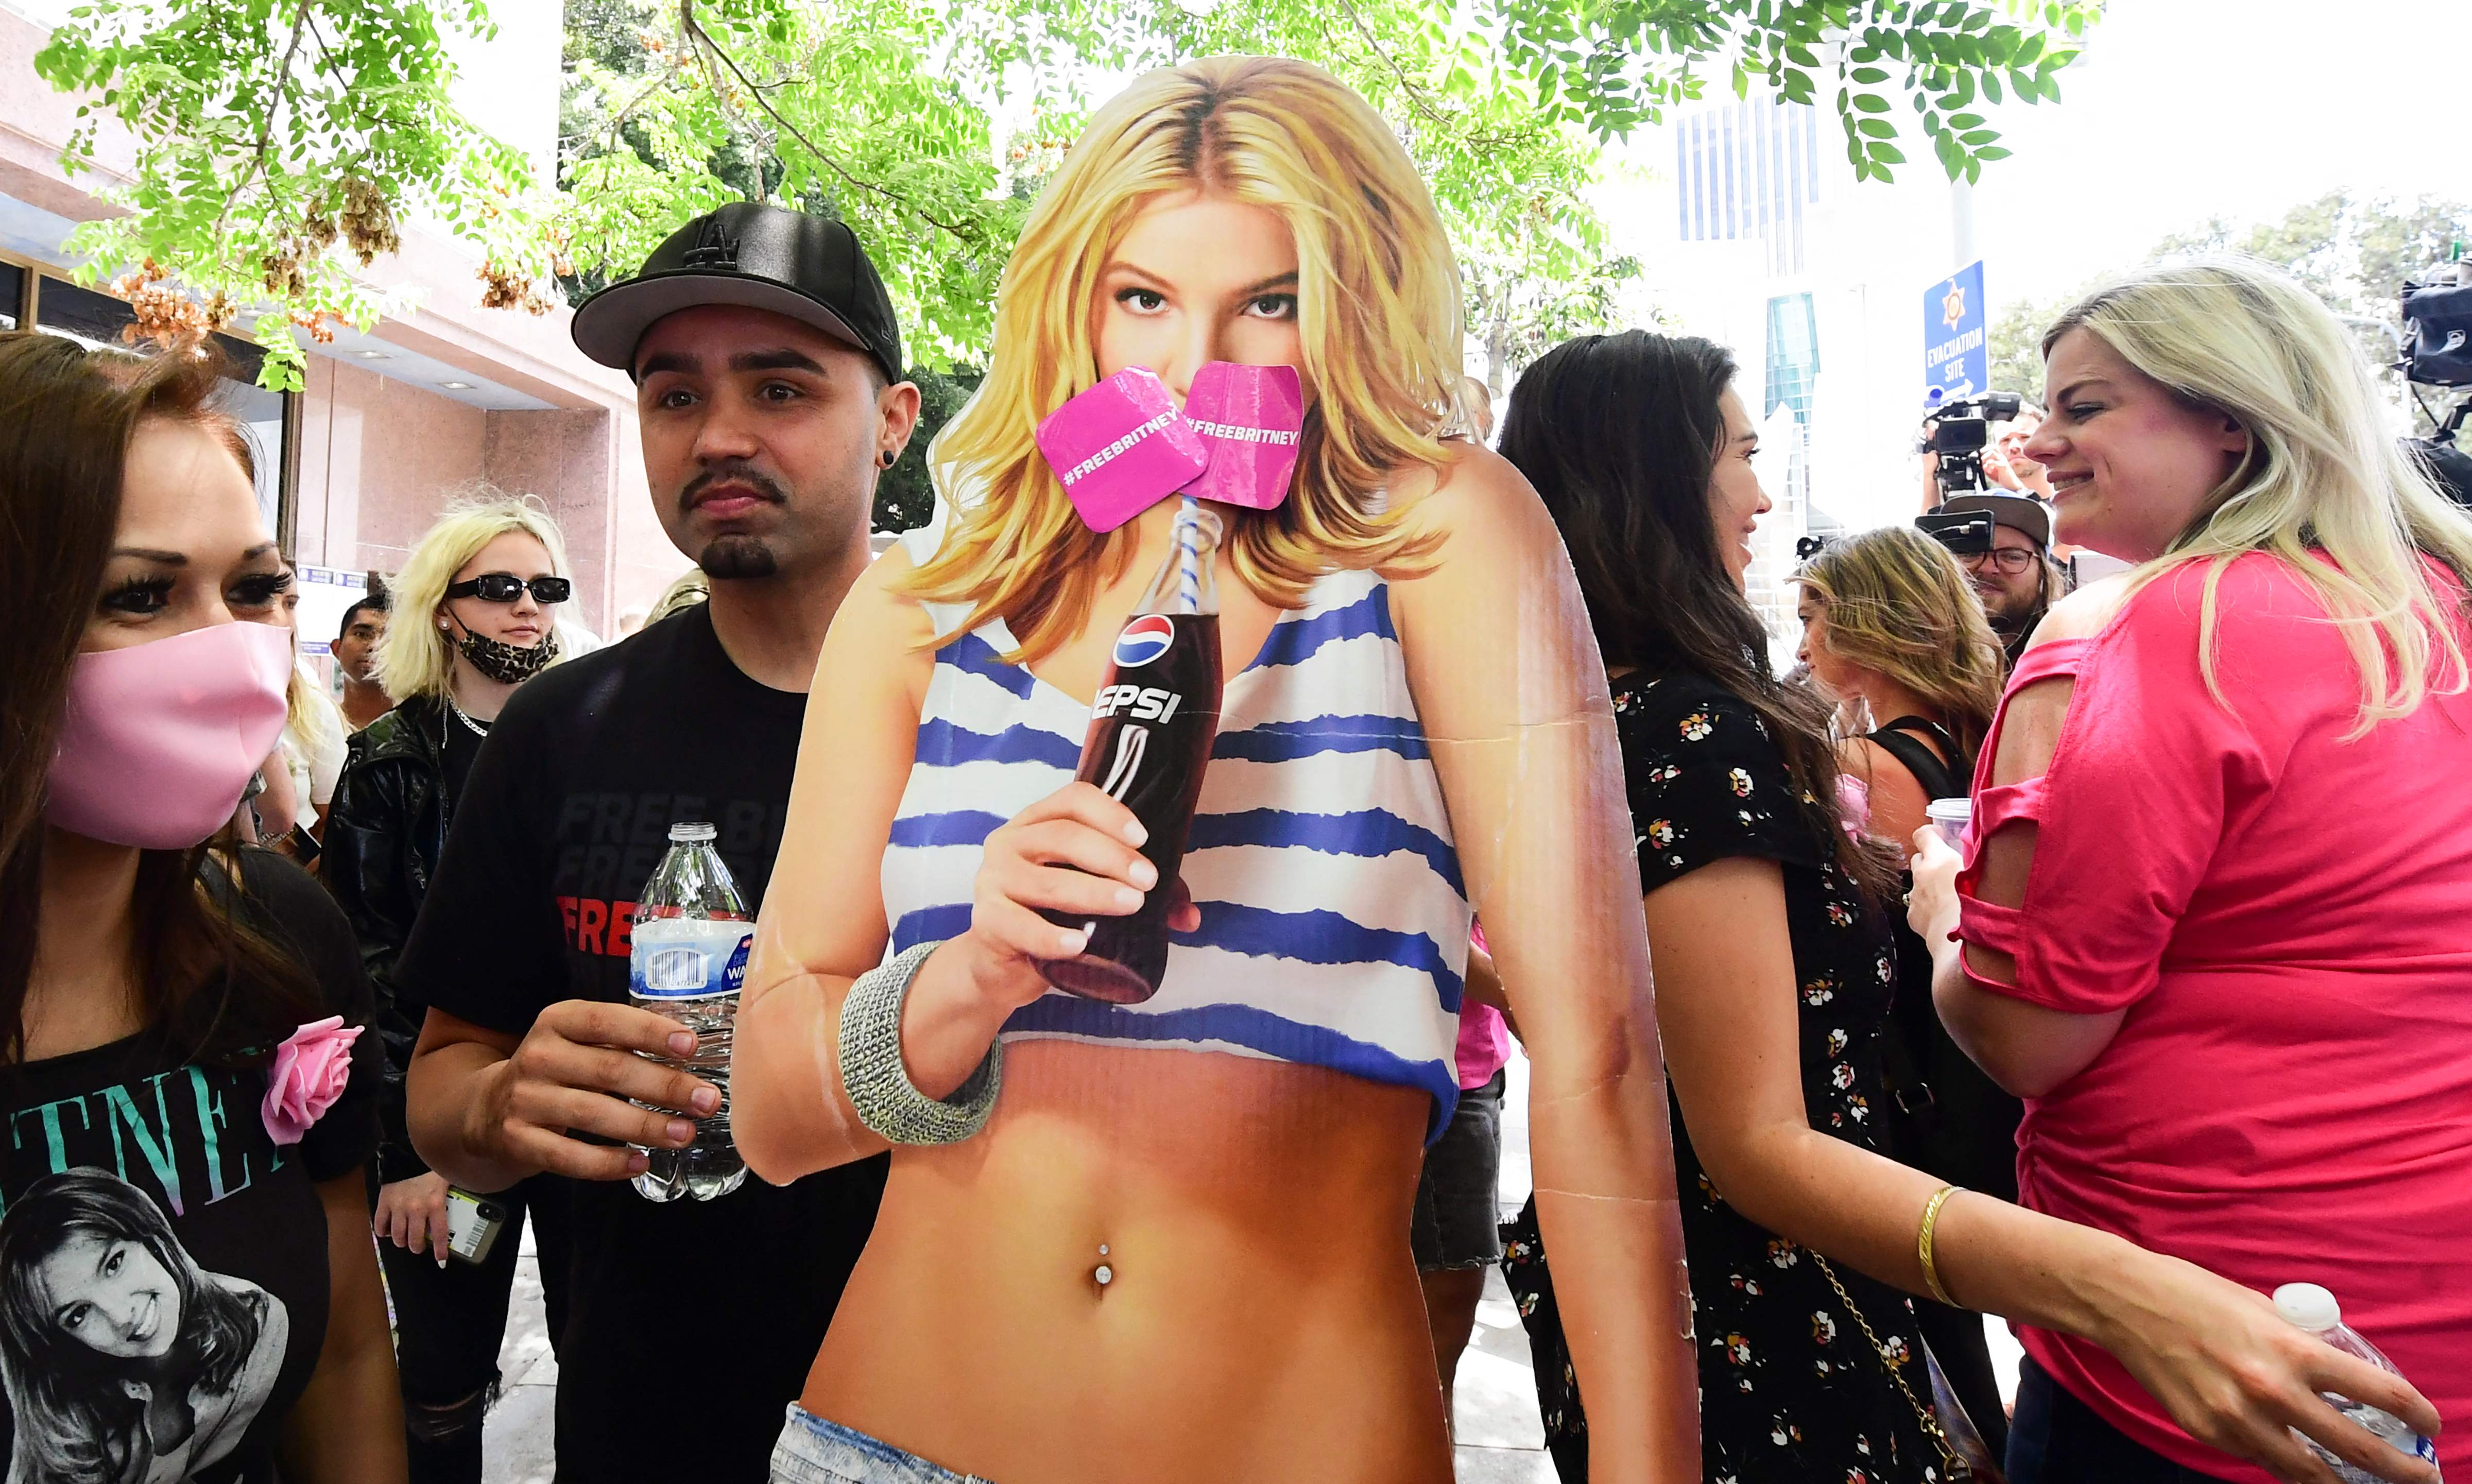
{"points": [[683, 834], [2308, 1305]]}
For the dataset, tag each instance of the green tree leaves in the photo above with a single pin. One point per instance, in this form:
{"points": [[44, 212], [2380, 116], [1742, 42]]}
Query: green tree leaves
{"points": [[282, 142], [279, 145], [1612, 64]]}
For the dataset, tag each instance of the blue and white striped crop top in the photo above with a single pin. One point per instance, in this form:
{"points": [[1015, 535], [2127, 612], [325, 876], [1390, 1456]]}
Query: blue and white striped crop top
{"points": [[1334, 923]]}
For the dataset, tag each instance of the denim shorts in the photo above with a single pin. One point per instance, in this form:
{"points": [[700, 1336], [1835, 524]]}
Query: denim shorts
{"points": [[1455, 1222], [815, 1451]]}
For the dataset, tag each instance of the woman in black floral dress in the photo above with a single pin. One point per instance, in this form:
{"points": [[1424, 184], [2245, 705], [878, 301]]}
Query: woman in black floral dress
{"points": [[1727, 771]]}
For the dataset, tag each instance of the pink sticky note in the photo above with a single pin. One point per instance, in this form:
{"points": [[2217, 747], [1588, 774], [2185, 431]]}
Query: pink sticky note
{"points": [[1120, 448], [1252, 420]]}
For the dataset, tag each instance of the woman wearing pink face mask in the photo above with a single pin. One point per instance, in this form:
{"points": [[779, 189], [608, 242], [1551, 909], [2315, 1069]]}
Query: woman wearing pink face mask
{"points": [[178, 1029]]}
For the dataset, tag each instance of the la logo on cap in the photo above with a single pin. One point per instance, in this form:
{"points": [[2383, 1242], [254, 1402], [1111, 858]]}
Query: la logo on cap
{"points": [[715, 247]]}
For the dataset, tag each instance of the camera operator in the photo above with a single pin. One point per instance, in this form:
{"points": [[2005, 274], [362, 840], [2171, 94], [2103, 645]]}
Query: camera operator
{"points": [[2011, 566], [2010, 563], [2004, 463], [2438, 353]]}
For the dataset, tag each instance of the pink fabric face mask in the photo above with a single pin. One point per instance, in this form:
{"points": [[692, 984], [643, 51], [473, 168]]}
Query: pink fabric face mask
{"points": [[160, 738], [1120, 448], [1252, 420]]}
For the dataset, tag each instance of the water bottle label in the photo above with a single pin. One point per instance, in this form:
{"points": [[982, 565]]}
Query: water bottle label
{"points": [[689, 958]]}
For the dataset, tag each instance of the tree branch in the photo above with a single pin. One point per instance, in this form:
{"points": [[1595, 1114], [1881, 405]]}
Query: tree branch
{"points": [[1415, 94], [274, 104], [962, 232], [607, 134], [1483, 141]]}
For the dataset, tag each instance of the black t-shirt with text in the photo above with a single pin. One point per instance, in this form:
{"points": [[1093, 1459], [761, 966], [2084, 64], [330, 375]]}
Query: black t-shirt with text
{"points": [[163, 1276], [459, 751], [692, 1323]]}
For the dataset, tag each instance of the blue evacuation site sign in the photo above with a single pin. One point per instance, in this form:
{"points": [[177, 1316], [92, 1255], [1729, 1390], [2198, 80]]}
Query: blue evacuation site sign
{"points": [[1957, 356]]}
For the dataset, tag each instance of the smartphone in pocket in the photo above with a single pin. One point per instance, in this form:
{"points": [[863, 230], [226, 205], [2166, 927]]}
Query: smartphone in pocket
{"points": [[473, 1223]]}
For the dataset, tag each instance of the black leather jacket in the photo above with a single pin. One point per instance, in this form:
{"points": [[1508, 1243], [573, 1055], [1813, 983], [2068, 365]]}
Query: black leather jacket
{"points": [[384, 835]]}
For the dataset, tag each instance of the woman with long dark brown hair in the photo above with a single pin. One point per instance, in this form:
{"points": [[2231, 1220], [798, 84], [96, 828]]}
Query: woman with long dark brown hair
{"points": [[178, 1023]]}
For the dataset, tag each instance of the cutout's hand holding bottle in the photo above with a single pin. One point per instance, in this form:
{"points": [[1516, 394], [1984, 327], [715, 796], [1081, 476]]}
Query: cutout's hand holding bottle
{"points": [[1076, 851]]}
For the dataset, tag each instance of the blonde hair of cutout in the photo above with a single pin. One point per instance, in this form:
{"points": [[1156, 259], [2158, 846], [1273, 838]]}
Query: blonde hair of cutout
{"points": [[1378, 309], [417, 657], [1897, 602], [2322, 471]]}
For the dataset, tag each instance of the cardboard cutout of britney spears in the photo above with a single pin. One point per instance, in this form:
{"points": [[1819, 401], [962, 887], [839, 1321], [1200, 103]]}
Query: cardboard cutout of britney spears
{"points": [[1168, 1239]]}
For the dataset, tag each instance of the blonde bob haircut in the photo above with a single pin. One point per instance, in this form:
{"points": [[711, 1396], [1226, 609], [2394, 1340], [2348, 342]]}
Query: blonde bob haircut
{"points": [[2322, 472], [1897, 602], [417, 657], [1378, 313]]}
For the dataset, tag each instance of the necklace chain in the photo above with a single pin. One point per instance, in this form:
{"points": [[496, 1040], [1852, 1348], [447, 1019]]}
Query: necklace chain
{"points": [[477, 729]]}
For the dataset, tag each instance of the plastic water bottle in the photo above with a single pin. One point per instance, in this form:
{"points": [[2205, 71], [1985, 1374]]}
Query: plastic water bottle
{"points": [[2315, 1309], [691, 939]]}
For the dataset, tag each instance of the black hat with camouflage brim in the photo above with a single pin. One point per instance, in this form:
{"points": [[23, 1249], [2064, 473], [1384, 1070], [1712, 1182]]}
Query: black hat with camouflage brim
{"points": [[804, 267]]}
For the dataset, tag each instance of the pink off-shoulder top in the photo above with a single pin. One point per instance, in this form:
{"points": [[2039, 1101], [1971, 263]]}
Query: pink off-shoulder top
{"points": [[2286, 917]]}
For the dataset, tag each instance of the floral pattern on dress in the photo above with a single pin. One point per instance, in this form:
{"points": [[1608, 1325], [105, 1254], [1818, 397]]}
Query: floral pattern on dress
{"points": [[1790, 1391]]}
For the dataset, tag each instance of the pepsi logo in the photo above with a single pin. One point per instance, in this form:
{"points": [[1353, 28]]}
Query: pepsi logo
{"points": [[1144, 640]]}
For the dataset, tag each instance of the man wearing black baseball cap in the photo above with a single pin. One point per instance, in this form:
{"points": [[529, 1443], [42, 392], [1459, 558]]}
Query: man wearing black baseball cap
{"points": [[768, 371], [2017, 578]]}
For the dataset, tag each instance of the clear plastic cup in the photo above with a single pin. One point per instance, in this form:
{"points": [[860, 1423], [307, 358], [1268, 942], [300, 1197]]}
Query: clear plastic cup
{"points": [[1954, 819]]}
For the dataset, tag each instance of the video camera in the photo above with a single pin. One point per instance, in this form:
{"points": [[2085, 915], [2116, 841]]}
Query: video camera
{"points": [[1966, 534], [2437, 352], [1959, 432]]}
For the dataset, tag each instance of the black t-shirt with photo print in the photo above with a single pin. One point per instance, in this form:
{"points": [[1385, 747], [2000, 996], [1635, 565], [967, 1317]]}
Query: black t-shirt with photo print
{"points": [[163, 1277], [565, 816]]}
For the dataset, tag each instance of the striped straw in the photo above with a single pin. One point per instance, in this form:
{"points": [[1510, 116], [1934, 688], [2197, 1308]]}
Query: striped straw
{"points": [[1188, 540]]}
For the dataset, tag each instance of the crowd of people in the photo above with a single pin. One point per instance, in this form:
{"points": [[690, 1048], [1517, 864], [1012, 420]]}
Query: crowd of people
{"points": [[2184, 1015]]}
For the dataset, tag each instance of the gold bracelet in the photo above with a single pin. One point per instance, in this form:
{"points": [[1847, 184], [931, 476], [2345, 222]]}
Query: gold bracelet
{"points": [[1923, 1243]]}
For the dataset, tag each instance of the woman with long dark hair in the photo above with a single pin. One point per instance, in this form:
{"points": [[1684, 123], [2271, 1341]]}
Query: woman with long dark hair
{"points": [[177, 1025], [1768, 927]]}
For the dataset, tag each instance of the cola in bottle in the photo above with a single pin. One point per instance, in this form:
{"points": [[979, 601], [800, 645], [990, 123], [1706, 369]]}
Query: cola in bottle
{"points": [[1151, 729]]}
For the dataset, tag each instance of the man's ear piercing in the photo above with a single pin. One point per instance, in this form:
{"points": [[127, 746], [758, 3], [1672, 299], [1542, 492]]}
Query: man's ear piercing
{"points": [[886, 458]]}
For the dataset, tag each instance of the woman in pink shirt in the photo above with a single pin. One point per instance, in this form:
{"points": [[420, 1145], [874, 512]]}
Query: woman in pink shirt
{"points": [[2217, 928]]}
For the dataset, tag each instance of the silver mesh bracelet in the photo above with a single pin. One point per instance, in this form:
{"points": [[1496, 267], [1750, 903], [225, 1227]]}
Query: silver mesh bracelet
{"points": [[879, 1086]]}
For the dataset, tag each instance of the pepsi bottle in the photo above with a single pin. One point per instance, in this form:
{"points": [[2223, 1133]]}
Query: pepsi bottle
{"points": [[1151, 729]]}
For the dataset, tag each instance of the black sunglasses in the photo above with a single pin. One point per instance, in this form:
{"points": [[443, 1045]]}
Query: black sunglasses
{"points": [[506, 587]]}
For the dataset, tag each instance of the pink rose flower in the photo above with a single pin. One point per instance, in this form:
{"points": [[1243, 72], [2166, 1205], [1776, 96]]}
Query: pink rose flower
{"points": [[311, 1069]]}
